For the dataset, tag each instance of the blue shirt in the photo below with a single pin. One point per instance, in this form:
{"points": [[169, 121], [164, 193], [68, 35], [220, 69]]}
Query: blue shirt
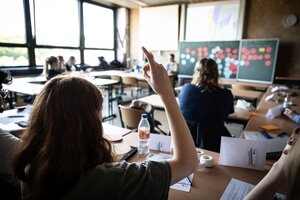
{"points": [[205, 113], [296, 118]]}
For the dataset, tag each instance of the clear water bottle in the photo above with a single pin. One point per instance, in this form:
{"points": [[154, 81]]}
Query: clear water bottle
{"points": [[287, 102], [144, 135]]}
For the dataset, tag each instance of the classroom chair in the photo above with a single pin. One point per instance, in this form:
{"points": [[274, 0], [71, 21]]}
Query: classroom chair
{"points": [[207, 135], [130, 118], [132, 83]]}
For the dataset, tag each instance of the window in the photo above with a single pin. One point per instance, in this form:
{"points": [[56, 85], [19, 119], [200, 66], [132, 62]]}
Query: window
{"points": [[12, 22], [13, 56], [91, 56], [42, 53], [32, 30], [98, 26], [57, 22]]}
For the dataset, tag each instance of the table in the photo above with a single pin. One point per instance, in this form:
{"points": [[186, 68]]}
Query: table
{"points": [[240, 115], [250, 95], [208, 183], [30, 86], [285, 124]]}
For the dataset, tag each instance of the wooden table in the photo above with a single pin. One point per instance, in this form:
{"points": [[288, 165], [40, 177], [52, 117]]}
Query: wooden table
{"points": [[240, 115], [208, 183], [250, 95], [285, 124]]}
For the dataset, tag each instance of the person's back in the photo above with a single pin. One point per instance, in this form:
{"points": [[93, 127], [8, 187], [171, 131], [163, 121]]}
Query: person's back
{"points": [[205, 106]]}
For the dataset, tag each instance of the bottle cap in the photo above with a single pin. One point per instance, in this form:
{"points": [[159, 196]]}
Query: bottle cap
{"points": [[144, 116]]}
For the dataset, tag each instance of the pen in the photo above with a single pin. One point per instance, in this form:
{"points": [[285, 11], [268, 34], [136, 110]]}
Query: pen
{"points": [[188, 178], [13, 116]]}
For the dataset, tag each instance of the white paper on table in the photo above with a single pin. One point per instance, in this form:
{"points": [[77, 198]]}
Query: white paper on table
{"points": [[182, 185], [275, 111], [160, 142], [243, 153], [11, 127], [276, 144], [237, 189]]}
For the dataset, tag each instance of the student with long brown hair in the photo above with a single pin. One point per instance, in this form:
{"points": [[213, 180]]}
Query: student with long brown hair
{"points": [[54, 67], [205, 105], [65, 156]]}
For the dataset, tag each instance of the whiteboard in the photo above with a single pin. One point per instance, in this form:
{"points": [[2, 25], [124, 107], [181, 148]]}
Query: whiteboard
{"points": [[216, 21], [159, 27]]}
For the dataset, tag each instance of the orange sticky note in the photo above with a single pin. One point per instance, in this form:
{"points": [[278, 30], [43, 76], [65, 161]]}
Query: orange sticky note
{"points": [[270, 127]]}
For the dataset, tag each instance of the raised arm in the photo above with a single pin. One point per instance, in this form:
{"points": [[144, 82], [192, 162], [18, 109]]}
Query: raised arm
{"points": [[277, 176], [185, 159]]}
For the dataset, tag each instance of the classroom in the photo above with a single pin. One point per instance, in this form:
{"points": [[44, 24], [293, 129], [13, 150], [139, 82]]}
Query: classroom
{"points": [[155, 99]]}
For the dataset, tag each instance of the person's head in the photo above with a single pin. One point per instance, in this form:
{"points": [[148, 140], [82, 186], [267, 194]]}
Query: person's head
{"points": [[64, 137], [171, 57], [72, 60], [53, 62], [206, 73], [61, 61]]}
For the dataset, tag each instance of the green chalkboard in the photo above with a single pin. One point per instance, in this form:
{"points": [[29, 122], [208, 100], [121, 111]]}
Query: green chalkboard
{"points": [[225, 53], [257, 60]]}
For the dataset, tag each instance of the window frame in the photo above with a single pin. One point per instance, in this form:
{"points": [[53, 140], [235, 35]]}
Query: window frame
{"points": [[31, 45]]}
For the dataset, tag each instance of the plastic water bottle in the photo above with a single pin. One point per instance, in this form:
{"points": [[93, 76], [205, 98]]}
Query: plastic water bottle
{"points": [[287, 102], [144, 135]]}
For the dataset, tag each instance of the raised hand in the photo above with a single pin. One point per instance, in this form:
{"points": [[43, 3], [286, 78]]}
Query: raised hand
{"points": [[156, 75]]}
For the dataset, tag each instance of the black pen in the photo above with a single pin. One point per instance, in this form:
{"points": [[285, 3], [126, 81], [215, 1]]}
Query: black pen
{"points": [[13, 116]]}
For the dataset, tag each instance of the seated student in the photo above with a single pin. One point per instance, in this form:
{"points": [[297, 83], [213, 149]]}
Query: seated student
{"points": [[70, 65], [172, 67], [205, 105], [54, 67], [61, 158], [61, 62], [284, 173], [293, 115]]}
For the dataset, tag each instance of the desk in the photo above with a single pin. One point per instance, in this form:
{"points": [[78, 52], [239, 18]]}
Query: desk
{"points": [[240, 115], [208, 183], [25, 86], [240, 93], [282, 121]]}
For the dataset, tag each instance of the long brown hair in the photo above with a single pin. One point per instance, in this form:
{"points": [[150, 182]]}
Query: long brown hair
{"points": [[206, 74], [64, 138]]}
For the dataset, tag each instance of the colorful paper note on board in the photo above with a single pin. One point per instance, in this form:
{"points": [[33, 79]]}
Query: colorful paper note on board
{"points": [[270, 127]]}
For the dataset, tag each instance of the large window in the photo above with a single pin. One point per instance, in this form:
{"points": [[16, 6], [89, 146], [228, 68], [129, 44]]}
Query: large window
{"points": [[12, 22], [32, 30], [98, 26], [57, 22]]}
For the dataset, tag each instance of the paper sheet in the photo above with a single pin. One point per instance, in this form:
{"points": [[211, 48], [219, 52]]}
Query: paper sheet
{"points": [[276, 144], [160, 142], [243, 153], [237, 190]]}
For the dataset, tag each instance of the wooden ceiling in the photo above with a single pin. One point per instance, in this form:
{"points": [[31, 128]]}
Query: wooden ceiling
{"points": [[145, 3]]}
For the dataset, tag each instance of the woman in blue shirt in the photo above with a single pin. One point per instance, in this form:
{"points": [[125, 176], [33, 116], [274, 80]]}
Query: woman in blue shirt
{"points": [[205, 105]]}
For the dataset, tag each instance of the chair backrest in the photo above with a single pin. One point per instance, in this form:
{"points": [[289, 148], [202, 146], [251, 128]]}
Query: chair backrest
{"points": [[130, 117], [129, 80], [242, 87]]}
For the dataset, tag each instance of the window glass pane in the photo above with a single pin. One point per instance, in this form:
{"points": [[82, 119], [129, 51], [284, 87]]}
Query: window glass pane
{"points": [[57, 22], [12, 22], [98, 26], [91, 56], [11, 56], [42, 53]]}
